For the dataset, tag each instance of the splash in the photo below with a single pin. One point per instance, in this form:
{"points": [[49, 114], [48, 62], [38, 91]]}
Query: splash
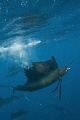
{"points": [[18, 50]]}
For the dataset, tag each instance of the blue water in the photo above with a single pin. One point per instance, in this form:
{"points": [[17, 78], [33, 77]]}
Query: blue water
{"points": [[35, 30]]}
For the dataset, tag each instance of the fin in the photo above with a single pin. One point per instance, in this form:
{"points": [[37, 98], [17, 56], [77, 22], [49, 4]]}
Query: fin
{"points": [[60, 91], [13, 89], [26, 98], [40, 69], [55, 88], [47, 66], [58, 107], [59, 85]]}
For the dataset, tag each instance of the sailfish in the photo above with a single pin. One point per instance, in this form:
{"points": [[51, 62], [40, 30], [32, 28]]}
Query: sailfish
{"points": [[11, 99], [14, 70], [18, 115], [43, 74]]}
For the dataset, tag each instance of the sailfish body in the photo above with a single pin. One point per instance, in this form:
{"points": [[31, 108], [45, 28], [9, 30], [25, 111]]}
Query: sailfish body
{"points": [[43, 74], [39, 84]]}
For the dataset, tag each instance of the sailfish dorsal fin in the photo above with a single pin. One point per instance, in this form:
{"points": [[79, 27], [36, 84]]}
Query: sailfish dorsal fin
{"points": [[40, 69]]}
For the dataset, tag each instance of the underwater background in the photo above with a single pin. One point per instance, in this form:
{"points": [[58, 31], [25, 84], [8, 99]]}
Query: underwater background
{"points": [[36, 30]]}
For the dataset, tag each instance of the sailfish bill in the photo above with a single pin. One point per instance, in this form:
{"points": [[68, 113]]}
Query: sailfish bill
{"points": [[43, 74]]}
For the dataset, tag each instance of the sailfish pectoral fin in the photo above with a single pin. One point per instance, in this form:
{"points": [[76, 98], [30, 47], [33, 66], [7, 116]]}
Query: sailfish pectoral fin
{"points": [[60, 79], [55, 88], [60, 91], [59, 85]]}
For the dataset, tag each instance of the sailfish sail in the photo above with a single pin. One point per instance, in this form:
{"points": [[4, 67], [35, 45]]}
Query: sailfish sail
{"points": [[40, 69]]}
